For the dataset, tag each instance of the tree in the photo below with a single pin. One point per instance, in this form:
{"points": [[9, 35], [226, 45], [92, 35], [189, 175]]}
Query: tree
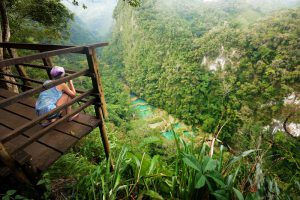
{"points": [[19, 17]]}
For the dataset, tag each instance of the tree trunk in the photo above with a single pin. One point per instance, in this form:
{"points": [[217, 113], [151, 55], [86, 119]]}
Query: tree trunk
{"points": [[5, 31]]}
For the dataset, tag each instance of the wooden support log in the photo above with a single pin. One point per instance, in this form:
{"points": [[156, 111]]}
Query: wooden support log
{"points": [[20, 69], [48, 62], [100, 110], [96, 80], [13, 165]]}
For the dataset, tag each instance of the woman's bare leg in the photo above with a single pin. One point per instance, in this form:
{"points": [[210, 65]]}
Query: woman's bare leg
{"points": [[63, 100]]}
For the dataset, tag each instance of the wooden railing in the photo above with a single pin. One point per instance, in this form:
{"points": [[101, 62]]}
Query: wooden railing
{"points": [[94, 96]]}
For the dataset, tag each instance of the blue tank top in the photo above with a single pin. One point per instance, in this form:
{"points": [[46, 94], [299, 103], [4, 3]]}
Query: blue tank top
{"points": [[47, 100]]}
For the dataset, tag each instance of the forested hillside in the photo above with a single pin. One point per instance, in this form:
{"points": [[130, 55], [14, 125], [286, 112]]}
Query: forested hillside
{"points": [[227, 68], [209, 63]]}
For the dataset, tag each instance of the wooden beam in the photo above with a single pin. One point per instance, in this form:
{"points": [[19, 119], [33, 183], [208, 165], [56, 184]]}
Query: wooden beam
{"points": [[29, 93]]}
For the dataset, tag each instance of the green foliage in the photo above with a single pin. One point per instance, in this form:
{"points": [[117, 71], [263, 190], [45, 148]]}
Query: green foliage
{"points": [[191, 175], [38, 21], [166, 49], [12, 194]]}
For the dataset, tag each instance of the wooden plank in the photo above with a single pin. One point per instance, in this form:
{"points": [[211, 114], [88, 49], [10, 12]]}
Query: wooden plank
{"points": [[6, 94], [4, 171], [57, 140], [23, 110], [44, 131], [42, 156], [4, 131]]}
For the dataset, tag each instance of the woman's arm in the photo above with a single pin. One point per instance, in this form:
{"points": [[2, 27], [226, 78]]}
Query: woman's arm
{"points": [[69, 90]]}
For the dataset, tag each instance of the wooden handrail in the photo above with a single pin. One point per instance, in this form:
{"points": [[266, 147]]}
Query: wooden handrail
{"points": [[27, 79], [44, 131], [16, 61], [28, 93], [40, 47], [45, 67], [20, 77], [43, 47], [15, 83], [30, 124]]}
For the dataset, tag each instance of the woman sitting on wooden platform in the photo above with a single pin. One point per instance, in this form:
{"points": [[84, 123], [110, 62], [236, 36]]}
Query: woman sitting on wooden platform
{"points": [[55, 96]]}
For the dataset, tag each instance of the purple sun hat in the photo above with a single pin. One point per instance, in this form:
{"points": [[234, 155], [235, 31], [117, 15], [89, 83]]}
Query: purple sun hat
{"points": [[57, 72]]}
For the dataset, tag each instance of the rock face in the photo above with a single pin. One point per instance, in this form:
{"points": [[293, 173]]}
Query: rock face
{"points": [[294, 129], [292, 99]]}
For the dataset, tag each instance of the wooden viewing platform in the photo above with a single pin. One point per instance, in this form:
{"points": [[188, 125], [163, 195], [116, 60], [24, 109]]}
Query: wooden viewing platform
{"points": [[26, 148]]}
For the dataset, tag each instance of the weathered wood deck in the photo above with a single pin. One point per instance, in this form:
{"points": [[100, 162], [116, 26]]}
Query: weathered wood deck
{"points": [[26, 148], [49, 147]]}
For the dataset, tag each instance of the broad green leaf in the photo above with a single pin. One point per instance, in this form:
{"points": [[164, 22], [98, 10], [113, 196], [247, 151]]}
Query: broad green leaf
{"points": [[10, 192], [153, 195], [191, 161], [211, 165], [40, 182], [154, 161], [244, 154], [219, 196], [200, 182], [216, 179], [238, 194]]}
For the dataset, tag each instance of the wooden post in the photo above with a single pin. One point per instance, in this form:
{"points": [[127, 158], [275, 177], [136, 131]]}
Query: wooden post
{"points": [[20, 69], [48, 62], [100, 110], [13, 165]]}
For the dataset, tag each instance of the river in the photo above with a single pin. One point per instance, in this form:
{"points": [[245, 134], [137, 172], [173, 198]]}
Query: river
{"points": [[157, 118]]}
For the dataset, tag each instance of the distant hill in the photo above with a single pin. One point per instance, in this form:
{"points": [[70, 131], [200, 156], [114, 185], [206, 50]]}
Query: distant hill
{"points": [[80, 33]]}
